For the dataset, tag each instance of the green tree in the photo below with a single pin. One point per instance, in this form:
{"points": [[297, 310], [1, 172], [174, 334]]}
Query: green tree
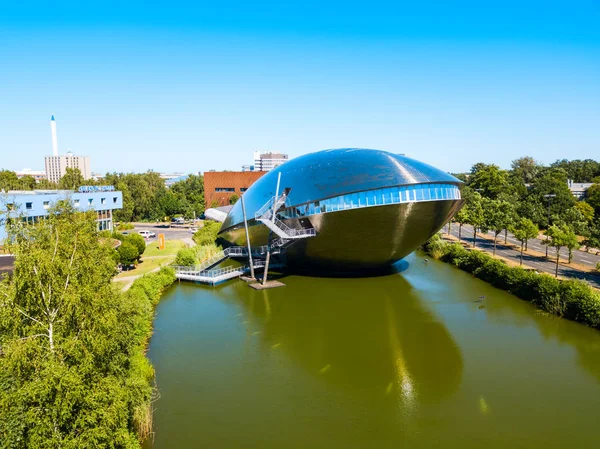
{"points": [[552, 182], [233, 199], [27, 183], [186, 257], [586, 210], [72, 369], [475, 215], [572, 242], [137, 241], [128, 253], [593, 239], [462, 216], [574, 218], [72, 179], [560, 237], [190, 193], [523, 230], [578, 170], [8, 180], [490, 180], [526, 169], [592, 196], [498, 216]]}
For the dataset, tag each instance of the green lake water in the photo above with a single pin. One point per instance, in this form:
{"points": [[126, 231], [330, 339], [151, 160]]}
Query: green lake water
{"points": [[410, 360]]}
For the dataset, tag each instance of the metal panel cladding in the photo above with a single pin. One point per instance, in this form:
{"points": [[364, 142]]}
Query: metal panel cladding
{"points": [[330, 173]]}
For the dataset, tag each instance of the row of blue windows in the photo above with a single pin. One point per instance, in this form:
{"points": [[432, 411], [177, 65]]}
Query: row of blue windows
{"points": [[379, 197]]}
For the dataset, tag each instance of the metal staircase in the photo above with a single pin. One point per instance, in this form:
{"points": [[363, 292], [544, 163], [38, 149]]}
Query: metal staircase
{"points": [[266, 215]]}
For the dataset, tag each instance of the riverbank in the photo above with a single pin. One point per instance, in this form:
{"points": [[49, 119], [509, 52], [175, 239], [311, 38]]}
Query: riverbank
{"points": [[143, 296], [571, 299]]}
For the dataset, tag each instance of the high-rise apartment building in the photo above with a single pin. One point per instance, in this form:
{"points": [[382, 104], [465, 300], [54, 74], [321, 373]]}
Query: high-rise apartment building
{"points": [[268, 161], [56, 165]]}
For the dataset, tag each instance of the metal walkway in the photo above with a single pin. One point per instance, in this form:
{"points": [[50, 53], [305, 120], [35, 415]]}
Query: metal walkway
{"points": [[266, 215], [218, 275]]}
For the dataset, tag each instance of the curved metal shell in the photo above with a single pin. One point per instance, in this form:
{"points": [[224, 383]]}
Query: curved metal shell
{"points": [[361, 237]]}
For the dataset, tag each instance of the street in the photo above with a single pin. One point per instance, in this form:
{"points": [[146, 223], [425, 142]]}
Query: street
{"points": [[539, 263]]}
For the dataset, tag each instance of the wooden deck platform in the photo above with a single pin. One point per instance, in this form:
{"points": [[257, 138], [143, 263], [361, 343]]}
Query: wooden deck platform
{"points": [[268, 284]]}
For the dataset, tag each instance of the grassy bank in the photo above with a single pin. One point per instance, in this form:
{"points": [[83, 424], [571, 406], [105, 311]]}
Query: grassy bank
{"points": [[571, 299], [142, 297]]}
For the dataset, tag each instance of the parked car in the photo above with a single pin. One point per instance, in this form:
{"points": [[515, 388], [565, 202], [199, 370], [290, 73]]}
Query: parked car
{"points": [[147, 234], [193, 230], [179, 220]]}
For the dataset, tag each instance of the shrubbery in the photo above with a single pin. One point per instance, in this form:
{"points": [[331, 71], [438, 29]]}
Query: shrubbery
{"points": [[125, 227], [188, 257], [131, 249], [73, 371], [572, 299], [207, 234]]}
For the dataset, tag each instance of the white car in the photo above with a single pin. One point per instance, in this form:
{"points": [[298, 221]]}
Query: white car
{"points": [[193, 230], [147, 234]]}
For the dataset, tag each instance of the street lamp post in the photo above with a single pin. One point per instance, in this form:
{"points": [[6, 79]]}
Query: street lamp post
{"points": [[549, 196]]}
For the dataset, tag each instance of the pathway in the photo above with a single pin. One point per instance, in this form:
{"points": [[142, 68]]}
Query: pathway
{"points": [[582, 268]]}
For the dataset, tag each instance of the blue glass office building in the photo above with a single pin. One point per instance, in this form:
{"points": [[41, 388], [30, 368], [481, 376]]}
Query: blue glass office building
{"points": [[369, 208]]}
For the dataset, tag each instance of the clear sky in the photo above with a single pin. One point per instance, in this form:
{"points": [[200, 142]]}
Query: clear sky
{"points": [[193, 86]]}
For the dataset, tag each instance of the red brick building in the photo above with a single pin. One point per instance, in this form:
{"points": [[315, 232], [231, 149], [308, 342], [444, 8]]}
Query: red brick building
{"points": [[219, 186]]}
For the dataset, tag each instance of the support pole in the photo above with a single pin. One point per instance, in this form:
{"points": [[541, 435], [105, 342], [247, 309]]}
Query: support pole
{"points": [[272, 220], [247, 238], [266, 266]]}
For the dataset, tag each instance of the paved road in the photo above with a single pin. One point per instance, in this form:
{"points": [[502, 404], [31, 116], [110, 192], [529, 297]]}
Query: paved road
{"points": [[539, 263], [170, 233]]}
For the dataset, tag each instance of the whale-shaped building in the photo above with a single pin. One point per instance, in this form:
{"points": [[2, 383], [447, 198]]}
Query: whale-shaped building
{"points": [[363, 210]]}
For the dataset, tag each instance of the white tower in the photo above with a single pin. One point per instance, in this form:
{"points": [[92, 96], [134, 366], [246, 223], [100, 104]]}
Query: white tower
{"points": [[54, 140]]}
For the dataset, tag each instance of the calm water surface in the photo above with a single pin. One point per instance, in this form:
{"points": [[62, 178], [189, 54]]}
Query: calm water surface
{"points": [[402, 361]]}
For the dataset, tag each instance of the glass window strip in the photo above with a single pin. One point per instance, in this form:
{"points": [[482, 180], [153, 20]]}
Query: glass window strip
{"points": [[388, 195]]}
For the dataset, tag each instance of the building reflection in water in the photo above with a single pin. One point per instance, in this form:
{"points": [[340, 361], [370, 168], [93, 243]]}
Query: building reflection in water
{"points": [[375, 337]]}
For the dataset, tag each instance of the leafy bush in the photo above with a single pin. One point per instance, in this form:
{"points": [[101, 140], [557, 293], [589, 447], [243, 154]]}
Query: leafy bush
{"points": [[128, 254], [572, 299], [207, 234], [137, 241], [124, 227], [186, 257], [153, 284]]}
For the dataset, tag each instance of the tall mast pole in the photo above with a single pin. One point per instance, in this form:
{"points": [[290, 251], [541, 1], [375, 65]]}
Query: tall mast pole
{"points": [[272, 220], [247, 237]]}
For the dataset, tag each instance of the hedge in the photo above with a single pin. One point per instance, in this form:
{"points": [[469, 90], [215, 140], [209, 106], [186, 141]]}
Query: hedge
{"points": [[571, 299]]}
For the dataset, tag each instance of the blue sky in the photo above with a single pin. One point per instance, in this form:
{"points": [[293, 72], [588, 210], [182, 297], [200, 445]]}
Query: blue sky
{"points": [[178, 86]]}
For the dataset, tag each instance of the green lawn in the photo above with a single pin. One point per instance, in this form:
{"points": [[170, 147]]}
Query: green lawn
{"points": [[171, 248], [154, 258], [146, 266]]}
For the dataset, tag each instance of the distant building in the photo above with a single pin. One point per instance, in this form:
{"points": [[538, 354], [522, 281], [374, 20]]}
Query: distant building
{"points": [[268, 161], [98, 177], [247, 167], [578, 189], [56, 166], [34, 204], [169, 176], [219, 186], [38, 175]]}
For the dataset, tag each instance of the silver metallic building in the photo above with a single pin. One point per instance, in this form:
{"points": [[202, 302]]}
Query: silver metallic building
{"points": [[369, 208]]}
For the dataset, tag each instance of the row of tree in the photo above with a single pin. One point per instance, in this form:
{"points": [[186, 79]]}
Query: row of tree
{"points": [[145, 196], [530, 197]]}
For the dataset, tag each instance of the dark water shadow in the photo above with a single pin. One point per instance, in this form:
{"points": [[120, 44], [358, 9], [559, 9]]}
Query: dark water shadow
{"points": [[375, 336]]}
